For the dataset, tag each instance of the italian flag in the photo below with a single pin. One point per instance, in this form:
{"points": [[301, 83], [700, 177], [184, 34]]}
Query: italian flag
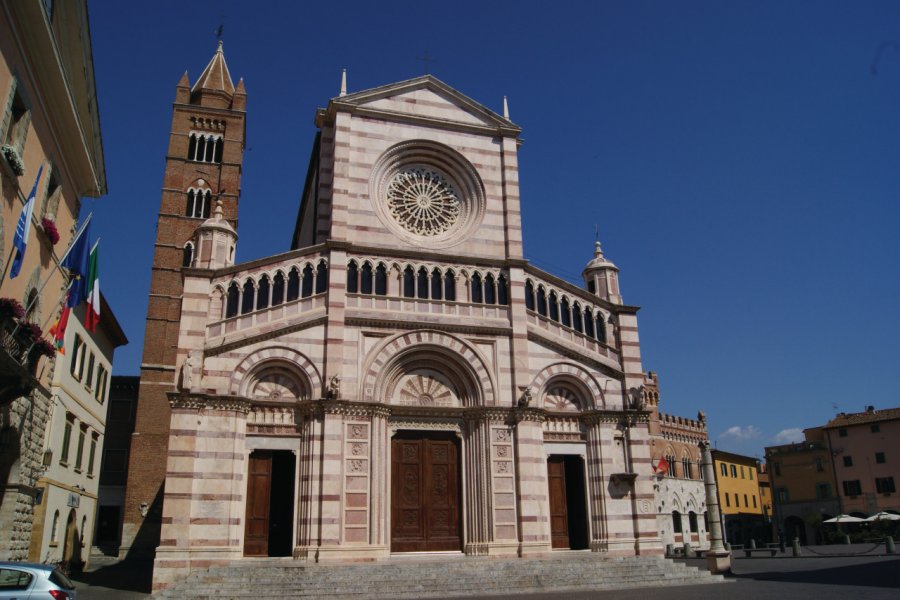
{"points": [[92, 315]]}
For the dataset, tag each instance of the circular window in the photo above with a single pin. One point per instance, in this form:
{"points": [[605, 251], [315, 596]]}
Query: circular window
{"points": [[427, 194]]}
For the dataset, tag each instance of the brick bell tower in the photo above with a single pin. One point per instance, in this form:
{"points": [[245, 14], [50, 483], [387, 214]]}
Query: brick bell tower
{"points": [[203, 166]]}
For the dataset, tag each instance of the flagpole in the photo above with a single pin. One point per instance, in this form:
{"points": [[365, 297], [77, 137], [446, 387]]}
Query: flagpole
{"points": [[58, 266], [8, 262]]}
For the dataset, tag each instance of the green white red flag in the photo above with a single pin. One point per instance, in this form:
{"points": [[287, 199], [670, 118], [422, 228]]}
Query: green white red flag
{"points": [[92, 314]]}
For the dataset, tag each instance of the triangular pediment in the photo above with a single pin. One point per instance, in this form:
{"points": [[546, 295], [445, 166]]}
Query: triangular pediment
{"points": [[424, 97]]}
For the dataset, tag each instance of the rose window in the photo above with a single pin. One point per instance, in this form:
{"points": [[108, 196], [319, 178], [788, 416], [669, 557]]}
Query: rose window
{"points": [[423, 201]]}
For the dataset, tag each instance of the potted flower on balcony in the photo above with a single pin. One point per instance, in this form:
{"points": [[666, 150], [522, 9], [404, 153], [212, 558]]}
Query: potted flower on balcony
{"points": [[50, 230], [12, 157], [10, 310]]}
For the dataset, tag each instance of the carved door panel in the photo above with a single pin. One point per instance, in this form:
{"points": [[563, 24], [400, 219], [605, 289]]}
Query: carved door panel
{"points": [[559, 519], [259, 486], [424, 494]]}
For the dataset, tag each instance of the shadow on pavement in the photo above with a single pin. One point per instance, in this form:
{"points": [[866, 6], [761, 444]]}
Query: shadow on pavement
{"points": [[131, 575], [880, 574]]}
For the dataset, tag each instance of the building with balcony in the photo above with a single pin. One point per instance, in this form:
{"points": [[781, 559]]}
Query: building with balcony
{"points": [[681, 516], [48, 118], [401, 379], [75, 434], [737, 480]]}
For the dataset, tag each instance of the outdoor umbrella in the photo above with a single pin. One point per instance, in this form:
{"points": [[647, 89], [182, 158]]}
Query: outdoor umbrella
{"points": [[884, 516], [844, 519]]}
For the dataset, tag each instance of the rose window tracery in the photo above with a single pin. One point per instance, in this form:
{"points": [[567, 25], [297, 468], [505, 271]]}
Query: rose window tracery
{"points": [[423, 201]]}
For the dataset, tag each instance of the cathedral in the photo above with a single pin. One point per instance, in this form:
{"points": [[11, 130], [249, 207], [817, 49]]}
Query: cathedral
{"points": [[401, 379]]}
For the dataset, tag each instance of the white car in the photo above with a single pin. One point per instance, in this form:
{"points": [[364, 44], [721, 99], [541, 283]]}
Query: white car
{"points": [[27, 581]]}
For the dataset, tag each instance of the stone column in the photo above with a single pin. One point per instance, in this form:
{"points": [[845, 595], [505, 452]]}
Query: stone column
{"points": [[476, 466], [718, 559], [308, 469], [599, 541], [531, 482]]}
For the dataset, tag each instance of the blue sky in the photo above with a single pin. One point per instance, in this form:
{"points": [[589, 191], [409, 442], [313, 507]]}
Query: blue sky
{"points": [[739, 158]]}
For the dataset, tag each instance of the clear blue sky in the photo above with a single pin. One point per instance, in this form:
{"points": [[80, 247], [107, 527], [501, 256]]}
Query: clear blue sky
{"points": [[740, 159]]}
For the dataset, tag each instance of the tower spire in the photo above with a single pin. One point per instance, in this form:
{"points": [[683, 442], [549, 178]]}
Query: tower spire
{"points": [[343, 83]]}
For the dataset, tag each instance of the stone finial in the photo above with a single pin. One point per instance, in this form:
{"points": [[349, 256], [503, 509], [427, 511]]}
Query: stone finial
{"points": [[598, 252], [343, 83], [505, 109], [218, 213]]}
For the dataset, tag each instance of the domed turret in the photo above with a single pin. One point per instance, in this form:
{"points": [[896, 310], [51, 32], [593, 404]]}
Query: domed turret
{"points": [[602, 277], [216, 240]]}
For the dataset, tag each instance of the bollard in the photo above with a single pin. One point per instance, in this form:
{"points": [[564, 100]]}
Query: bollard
{"points": [[688, 551], [889, 545], [670, 550], [781, 544], [846, 539], [752, 544], [795, 546], [728, 546]]}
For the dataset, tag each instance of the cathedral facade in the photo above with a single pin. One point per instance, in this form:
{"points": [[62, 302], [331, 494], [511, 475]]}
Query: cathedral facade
{"points": [[402, 379]]}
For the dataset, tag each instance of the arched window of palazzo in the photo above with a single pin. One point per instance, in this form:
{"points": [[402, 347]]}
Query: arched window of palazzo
{"points": [[381, 280], [676, 521], [588, 322], [554, 306], [541, 301], [490, 296], [565, 312], [422, 283], [502, 291], [365, 278], [231, 303], [321, 277], [352, 278], [307, 289], [437, 284], [187, 255], [247, 299], [278, 289], [692, 522], [293, 286], [576, 318], [409, 283], [687, 468], [529, 295], [476, 289], [450, 285], [262, 294]]}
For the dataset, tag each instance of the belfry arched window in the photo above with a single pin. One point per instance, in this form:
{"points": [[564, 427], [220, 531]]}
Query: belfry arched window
{"points": [[205, 148], [198, 203]]}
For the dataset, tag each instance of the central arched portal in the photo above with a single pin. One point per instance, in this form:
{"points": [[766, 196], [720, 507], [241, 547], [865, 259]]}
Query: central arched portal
{"points": [[425, 492]]}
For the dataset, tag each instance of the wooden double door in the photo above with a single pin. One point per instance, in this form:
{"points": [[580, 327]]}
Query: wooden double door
{"points": [[568, 511], [425, 492], [269, 522]]}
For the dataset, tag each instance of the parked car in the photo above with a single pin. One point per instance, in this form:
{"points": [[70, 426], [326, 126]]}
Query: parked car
{"points": [[25, 581]]}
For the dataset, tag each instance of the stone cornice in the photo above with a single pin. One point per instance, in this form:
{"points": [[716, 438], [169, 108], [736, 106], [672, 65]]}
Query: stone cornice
{"points": [[536, 336], [616, 416], [267, 335], [193, 401], [403, 323]]}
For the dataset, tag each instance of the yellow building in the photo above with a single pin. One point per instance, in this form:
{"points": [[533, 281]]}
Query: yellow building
{"points": [[737, 479]]}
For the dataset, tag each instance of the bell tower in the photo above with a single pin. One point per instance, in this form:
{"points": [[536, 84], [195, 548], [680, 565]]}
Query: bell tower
{"points": [[202, 174]]}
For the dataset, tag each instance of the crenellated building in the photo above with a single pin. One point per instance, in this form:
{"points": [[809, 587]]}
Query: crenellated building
{"points": [[402, 379], [681, 515]]}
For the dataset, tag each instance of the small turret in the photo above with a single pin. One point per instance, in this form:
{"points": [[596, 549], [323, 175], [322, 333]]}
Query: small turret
{"points": [[602, 277], [216, 240]]}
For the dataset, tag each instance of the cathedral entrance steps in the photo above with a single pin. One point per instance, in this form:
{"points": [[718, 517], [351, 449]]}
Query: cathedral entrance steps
{"points": [[430, 578]]}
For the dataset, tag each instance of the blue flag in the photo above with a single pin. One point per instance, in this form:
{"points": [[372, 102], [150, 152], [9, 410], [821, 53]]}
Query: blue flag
{"points": [[23, 228], [77, 261]]}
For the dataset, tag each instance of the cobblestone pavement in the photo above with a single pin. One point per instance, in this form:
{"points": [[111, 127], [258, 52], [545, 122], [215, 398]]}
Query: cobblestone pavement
{"points": [[810, 577]]}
